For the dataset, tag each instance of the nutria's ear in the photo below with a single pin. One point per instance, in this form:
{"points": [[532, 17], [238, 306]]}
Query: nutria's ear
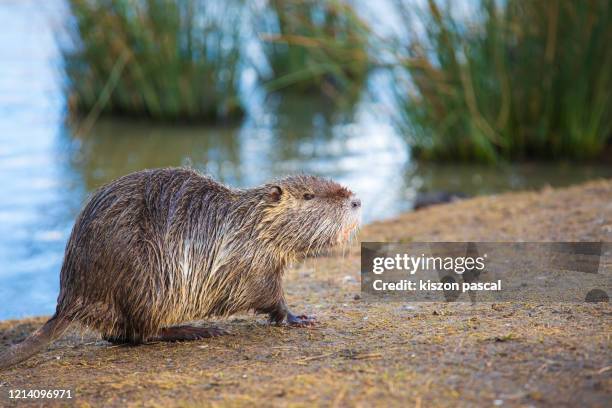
{"points": [[274, 193]]}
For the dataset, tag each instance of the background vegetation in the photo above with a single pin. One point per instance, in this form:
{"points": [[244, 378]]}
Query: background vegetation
{"points": [[518, 79], [523, 79], [315, 46], [155, 58]]}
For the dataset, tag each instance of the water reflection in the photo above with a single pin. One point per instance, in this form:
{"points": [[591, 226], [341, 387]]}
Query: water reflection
{"points": [[114, 148], [301, 124], [479, 179]]}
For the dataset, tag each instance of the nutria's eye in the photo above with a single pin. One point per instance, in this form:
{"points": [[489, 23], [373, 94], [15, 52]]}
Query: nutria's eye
{"points": [[275, 193], [308, 196]]}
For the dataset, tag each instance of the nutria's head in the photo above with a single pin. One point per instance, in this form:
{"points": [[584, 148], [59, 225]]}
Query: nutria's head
{"points": [[307, 214]]}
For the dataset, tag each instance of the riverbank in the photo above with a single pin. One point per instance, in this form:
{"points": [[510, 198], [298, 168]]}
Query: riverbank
{"points": [[369, 354]]}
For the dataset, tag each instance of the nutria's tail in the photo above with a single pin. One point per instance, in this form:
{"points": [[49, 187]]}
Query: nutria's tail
{"points": [[34, 343]]}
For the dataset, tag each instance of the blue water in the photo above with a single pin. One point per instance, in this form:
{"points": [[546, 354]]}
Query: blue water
{"points": [[46, 172]]}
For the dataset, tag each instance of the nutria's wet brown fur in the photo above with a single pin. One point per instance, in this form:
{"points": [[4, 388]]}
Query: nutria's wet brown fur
{"points": [[157, 248]]}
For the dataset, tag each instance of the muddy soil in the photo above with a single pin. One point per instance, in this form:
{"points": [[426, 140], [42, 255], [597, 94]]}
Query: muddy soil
{"points": [[368, 353]]}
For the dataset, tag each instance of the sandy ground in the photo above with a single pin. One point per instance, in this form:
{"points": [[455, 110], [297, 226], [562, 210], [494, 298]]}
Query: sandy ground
{"points": [[369, 354]]}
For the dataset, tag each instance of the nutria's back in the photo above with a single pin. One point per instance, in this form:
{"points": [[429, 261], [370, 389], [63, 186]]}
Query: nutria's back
{"points": [[159, 247], [137, 247]]}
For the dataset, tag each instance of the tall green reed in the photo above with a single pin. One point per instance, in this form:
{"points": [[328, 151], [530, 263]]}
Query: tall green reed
{"points": [[314, 46], [523, 79], [162, 59]]}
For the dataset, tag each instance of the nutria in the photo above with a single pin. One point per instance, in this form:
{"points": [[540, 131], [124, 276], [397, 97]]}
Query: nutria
{"points": [[158, 248]]}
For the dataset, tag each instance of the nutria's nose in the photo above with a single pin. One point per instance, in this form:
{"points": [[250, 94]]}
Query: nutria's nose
{"points": [[355, 203]]}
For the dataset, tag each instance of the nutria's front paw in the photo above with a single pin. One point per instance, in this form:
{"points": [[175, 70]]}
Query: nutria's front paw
{"points": [[301, 320]]}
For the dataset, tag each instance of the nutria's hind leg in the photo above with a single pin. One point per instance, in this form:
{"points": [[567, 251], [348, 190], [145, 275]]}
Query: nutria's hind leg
{"points": [[280, 313], [185, 333], [116, 339], [121, 333], [123, 339]]}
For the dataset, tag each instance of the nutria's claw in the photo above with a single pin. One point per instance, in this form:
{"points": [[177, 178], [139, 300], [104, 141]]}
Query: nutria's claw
{"points": [[301, 320]]}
